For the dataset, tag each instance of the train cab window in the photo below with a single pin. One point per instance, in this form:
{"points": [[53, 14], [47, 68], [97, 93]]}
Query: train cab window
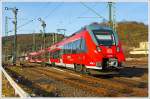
{"points": [[104, 37]]}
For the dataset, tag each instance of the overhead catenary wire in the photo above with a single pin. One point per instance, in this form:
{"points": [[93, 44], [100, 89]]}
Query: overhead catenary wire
{"points": [[25, 23], [86, 10], [19, 27], [87, 17], [18, 18], [92, 10], [52, 11]]}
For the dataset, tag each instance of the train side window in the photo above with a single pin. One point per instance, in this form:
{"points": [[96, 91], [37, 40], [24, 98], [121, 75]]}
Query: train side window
{"points": [[69, 48], [78, 46], [64, 49], [83, 45], [73, 47], [58, 54]]}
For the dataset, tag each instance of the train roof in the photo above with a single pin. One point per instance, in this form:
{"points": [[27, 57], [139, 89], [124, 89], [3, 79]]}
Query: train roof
{"points": [[95, 26]]}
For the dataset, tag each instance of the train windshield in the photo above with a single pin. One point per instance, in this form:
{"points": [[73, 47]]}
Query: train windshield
{"points": [[104, 37]]}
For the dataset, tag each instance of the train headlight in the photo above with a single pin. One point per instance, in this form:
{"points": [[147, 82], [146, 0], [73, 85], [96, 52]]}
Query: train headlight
{"points": [[118, 49], [99, 49]]}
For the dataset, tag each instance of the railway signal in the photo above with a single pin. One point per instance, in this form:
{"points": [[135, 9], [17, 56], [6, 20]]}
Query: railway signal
{"points": [[15, 12], [43, 26], [43, 35]]}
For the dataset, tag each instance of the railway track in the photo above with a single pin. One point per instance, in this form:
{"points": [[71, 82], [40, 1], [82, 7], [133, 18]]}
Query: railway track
{"points": [[116, 85], [42, 74], [34, 89], [73, 82], [124, 81]]}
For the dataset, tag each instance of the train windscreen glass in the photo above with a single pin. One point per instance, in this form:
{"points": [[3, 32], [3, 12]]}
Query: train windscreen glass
{"points": [[104, 37]]}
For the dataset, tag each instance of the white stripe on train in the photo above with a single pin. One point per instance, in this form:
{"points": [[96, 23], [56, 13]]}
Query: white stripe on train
{"points": [[72, 66]]}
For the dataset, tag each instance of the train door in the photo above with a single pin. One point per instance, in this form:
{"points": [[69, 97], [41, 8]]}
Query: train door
{"points": [[61, 56]]}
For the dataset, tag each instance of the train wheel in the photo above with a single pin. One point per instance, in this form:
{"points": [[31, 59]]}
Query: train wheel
{"points": [[53, 64], [78, 68], [85, 70], [75, 67]]}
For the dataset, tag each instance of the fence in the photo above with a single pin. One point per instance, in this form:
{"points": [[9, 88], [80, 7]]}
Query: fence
{"points": [[17, 88]]}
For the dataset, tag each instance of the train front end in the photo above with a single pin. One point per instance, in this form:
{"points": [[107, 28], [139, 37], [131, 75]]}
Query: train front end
{"points": [[107, 51]]}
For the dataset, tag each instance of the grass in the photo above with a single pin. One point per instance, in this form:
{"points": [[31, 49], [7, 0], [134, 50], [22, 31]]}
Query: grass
{"points": [[7, 89]]}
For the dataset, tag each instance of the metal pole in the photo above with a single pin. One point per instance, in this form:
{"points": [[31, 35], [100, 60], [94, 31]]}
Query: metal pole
{"points": [[15, 10], [53, 38], [114, 18], [6, 34], [34, 47], [44, 25], [110, 14], [56, 37]]}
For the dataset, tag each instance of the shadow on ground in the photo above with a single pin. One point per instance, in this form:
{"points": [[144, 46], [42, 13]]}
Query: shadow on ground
{"points": [[125, 72]]}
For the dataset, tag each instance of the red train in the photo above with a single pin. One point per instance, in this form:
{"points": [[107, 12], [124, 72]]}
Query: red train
{"points": [[92, 47], [38, 57]]}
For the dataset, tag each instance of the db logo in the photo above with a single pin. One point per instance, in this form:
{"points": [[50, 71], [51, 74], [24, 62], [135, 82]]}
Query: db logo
{"points": [[109, 50], [68, 57]]}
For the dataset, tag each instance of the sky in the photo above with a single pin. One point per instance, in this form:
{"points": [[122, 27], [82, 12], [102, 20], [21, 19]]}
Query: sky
{"points": [[70, 16]]}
